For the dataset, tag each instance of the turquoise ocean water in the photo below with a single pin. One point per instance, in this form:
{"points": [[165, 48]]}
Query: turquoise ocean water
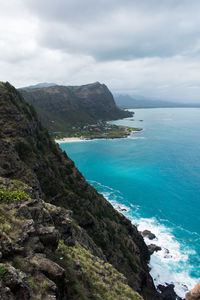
{"points": [[154, 178]]}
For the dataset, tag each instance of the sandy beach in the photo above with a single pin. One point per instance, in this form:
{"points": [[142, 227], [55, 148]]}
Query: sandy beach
{"points": [[79, 139], [69, 140]]}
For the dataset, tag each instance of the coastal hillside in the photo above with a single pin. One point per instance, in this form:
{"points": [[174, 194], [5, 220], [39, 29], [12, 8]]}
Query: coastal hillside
{"points": [[59, 237], [45, 255], [62, 107]]}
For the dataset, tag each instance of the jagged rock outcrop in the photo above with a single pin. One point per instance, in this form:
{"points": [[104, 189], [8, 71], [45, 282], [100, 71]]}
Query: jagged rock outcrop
{"points": [[61, 107], [28, 241], [167, 292], [41, 260], [148, 234], [29, 155], [153, 248]]}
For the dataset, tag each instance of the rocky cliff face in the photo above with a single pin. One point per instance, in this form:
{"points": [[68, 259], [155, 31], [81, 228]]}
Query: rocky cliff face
{"points": [[44, 255], [97, 242], [59, 107]]}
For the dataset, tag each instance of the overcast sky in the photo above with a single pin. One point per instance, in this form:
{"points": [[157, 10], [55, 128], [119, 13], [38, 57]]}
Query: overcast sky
{"points": [[145, 47]]}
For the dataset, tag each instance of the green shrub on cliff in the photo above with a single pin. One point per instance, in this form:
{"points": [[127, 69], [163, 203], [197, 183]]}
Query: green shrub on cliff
{"points": [[3, 271], [14, 193], [6, 196]]}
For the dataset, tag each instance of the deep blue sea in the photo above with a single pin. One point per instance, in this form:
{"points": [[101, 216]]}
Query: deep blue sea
{"points": [[155, 176]]}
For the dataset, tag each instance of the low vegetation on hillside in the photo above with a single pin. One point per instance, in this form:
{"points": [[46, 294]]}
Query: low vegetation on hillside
{"points": [[63, 211]]}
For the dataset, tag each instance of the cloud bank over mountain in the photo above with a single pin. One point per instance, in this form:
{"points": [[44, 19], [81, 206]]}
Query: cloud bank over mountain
{"points": [[148, 47]]}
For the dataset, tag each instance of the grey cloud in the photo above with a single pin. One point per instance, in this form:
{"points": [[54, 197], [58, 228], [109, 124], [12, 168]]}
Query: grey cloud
{"points": [[78, 10], [150, 47], [70, 10], [118, 30]]}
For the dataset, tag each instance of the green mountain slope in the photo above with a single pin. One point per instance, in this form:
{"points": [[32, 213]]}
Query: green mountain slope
{"points": [[97, 232], [61, 107]]}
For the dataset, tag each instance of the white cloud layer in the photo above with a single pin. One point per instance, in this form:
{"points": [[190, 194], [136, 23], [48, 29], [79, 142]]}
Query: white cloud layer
{"points": [[149, 47]]}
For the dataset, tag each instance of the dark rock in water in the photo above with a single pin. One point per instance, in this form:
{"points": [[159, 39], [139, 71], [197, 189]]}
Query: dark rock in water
{"points": [[148, 234], [167, 255], [121, 208], [153, 248], [167, 292]]}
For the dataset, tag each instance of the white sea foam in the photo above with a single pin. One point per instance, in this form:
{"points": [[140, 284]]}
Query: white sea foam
{"points": [[132, 137], [105, 187], [135, 207], [173, 264], [120, 207], [112, 195], [170, 265]]}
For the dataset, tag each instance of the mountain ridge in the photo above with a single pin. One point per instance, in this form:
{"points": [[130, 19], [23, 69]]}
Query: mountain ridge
{"points": [[39, 85], [136, 101], [28, 155], [62, 107]]}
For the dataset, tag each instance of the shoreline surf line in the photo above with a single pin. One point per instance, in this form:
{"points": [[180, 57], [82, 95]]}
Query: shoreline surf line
{"points": [[81, 139]]}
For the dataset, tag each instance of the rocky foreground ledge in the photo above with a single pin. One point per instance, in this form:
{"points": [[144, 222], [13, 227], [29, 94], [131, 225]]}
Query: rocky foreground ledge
{"points": [[43, 255]]}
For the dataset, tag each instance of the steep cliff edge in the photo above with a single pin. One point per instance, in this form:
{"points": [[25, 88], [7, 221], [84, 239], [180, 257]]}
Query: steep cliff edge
{"points": [[44, 255], [61, 107], [28, 154]]}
